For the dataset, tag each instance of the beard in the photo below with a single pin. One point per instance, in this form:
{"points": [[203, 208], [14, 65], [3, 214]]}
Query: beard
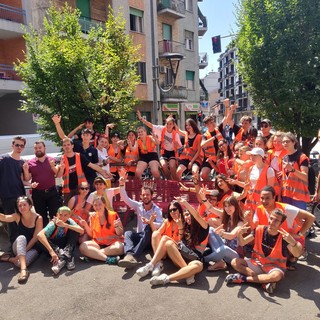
{"points": [[147, 202], [39, 154]]}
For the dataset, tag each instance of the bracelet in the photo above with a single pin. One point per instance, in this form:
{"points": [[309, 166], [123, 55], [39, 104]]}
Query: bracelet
{"points": [[204, 200]]}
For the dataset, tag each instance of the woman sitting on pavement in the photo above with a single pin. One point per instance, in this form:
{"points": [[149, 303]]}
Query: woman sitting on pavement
{"points": [[106, 230], [25, 248], [77, 206], [186, 253], [225, 251], [148, 155]]}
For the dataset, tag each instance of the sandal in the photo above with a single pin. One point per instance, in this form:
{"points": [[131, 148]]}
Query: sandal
{"points": [[22, 279], [217, 266], [5, 257]]}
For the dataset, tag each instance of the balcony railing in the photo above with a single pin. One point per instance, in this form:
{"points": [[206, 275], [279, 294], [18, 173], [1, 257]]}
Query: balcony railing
{"points": [[87, 23], [12, 14], [173, 8], [203, 60], [8, 73], [168, 47], [177, 93]]}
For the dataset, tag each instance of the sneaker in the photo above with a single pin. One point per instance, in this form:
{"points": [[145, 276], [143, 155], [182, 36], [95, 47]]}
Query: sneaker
{"points": [[58, 266], [158, 268], [160, 280], [234, 278], [128, 261], [70, 264], [190, 280], [144, 271], [269, 287], [304, 255], [112, 260]]}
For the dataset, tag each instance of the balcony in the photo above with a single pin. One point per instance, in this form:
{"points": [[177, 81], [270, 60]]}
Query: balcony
{"points": [[11, 19], [203, 60], [173, 49], [87, 23], [10, 82], [203, 25], [171, 8], [176, 94]]}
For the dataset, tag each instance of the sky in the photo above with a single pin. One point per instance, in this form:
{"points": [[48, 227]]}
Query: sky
{"points": [[221, 21]]}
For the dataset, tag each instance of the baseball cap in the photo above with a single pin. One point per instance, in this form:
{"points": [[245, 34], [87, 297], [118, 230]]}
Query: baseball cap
{"points": [[86, 131], [257, 152], [213, 193], [115, 134], [266, 121]]}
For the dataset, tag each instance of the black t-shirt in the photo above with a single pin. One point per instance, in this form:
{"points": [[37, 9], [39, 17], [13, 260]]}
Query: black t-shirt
{"points": [[91, 155], [295, 158], [73, 179], [11, 185], [236, 130]]}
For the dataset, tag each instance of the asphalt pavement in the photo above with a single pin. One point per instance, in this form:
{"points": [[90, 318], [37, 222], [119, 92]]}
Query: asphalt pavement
{"points": [[98, 291]]}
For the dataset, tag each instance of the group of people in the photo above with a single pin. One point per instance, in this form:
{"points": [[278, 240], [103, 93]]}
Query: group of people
{"points": [[255, 219]]}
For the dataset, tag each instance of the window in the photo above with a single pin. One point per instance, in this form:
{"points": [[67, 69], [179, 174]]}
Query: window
{"points": [[166, 31], [189, 5], [136, 20], [190, 80], [189, 40], [141, 71]]}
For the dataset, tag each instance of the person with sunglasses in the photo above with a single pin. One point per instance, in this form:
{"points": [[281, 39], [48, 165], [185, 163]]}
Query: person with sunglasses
{"points": [[11, 181], [266, 127]]}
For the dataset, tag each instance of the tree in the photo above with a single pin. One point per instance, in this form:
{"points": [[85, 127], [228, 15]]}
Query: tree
{"points": [[279, 50], [77, 75]]}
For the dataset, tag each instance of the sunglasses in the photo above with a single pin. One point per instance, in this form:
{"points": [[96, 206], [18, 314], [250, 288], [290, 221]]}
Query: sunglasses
{"points": [[173, 210], [264, 125], [84, 188], [17, 145]]}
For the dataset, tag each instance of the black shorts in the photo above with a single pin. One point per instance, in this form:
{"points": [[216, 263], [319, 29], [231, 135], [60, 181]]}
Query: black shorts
{"points": [[206, 164], [168, 155], [151, 156], [185, 162]]}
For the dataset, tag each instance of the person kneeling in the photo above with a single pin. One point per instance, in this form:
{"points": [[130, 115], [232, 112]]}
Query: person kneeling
{"points": [[60, 237], [269, 255]]}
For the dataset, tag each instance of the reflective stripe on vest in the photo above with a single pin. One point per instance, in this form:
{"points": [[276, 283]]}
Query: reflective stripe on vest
{"points": [[150, 146], [131, 155], [80, 175], [209, 149], [189, 152]]}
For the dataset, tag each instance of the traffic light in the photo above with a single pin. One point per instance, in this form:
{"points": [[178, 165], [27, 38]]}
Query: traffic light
{"points": [[216, 44]]}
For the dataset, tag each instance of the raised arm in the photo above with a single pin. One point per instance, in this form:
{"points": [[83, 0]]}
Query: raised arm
{"points": [[56, 120], [144, 121]]}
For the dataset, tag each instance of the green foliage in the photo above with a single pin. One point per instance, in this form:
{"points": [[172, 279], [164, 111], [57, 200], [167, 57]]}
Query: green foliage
{"points": [[279, 51], [76, 75]]}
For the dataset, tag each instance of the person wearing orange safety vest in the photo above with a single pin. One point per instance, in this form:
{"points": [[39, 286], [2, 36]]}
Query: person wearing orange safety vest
{"points": [[186, 253], [115, 155], [106, 230], [272, 245], [73, 163], [295, 169], [170, 142], [148, 155], [192, 155], [210, 147], [131, 153]]}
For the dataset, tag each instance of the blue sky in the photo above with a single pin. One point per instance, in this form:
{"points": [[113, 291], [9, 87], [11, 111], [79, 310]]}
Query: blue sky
{"points": [[221, 21]]}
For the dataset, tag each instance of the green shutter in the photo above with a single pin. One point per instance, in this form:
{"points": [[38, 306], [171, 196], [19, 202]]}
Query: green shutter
{"points": [[84, 7], [136, 12], [166, 31], [190, 75]]}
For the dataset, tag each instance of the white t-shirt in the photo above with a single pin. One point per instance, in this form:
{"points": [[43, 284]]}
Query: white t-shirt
{"points": [[274, 162], [290, 211], [168, 140], [103, 155], [110, 193], [255, 174]]}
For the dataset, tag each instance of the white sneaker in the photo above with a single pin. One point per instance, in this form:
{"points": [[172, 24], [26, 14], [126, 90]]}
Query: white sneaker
{"points": [[160, 280], [70, 264], [144, 271], [58, 266], [190, 280], [158, 268]]}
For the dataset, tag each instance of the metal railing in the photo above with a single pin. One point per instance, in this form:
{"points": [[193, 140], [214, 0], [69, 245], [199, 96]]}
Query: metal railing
{"points": [[175, 5], [168, 46], [176, 93], [7, 72], [12, 13], [87, 23], [203, 58]]}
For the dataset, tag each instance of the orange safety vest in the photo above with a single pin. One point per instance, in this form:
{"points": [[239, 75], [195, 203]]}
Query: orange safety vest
{"points": [[292, 186], [169, 231], [150, 146], [238, 138], [202, 209], [101, 234], [131, 155], [209, 149], [274, 259], [79, 172], [189, 152], [174, 133], [78, 214], [263, 218], [253, 197], [112, 153]]}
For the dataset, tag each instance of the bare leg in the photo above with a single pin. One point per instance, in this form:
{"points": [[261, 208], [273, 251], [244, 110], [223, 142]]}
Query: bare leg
{"points": [[92, 250], [188, 271], [205, 173], [175, 255], [180, 170], [164, 165], [116, 249], [154, 167], [155, 240], [161, 250], [173, 169], [141, 166]]}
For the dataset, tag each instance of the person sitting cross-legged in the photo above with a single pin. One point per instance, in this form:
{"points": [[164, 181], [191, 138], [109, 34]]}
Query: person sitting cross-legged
{"points": [[270, 252]]}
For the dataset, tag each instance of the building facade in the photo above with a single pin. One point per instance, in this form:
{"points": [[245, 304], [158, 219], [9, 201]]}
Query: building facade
{"points": [[161, 27]]}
